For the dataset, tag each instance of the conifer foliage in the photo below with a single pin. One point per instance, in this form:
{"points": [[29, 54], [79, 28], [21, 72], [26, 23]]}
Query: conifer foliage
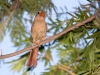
{"points": [[78, 51]]}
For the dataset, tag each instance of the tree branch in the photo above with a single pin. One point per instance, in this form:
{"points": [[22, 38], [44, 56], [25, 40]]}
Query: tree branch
{"points": [[52, 37], [62, 67], [9, 18], [65, 69], [13, 7]]}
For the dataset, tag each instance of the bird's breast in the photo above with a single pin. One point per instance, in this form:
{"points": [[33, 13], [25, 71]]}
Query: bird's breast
{"points": [[39, 27]]}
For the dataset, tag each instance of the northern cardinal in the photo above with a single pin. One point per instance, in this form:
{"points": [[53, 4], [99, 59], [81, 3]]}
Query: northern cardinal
{"points": [[38, 31]]}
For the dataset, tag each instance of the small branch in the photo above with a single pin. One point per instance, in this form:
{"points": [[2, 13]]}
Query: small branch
{"points": [[52, 37], [13, 7], [71, 73], [64, 68], [9, 18]]}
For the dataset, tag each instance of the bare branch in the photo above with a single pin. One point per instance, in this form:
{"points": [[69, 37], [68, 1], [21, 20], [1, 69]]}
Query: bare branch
{"points": [[52, 37]]}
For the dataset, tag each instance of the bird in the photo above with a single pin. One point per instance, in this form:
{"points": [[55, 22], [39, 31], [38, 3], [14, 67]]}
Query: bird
{"points": [[38, 33]]}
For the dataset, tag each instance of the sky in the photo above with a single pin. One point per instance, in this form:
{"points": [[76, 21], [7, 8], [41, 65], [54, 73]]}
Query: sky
{"points": [[7, 46]]}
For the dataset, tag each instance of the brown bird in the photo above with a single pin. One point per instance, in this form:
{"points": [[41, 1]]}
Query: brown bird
{"points": [[38, 31]]}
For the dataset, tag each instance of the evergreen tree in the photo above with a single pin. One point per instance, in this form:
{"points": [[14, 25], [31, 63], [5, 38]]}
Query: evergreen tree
{"points": [[78, 50]]}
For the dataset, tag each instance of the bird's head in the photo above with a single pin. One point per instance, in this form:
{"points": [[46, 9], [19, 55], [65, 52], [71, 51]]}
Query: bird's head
{"points": [[40, 13]]}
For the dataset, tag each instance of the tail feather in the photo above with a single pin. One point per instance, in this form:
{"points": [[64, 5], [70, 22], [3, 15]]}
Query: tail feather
{"points": [[32, 61], [34, 58]]}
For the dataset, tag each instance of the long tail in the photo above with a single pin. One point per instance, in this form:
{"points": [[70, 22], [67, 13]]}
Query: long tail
{"points": [[32, 61]]}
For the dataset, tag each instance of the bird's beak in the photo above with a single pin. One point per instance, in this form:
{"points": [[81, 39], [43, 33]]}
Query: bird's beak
{"points": [[42, 14]]}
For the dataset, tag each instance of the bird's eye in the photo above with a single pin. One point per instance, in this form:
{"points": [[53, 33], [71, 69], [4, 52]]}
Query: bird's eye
{"points": [[38, 12]]}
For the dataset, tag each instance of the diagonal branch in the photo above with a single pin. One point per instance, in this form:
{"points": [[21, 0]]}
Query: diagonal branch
{"points": [[52, 37], [60, 67], [9, 18]]}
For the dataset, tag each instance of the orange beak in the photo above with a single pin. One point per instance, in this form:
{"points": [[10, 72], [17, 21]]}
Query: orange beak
{"points": [[42, 14]]}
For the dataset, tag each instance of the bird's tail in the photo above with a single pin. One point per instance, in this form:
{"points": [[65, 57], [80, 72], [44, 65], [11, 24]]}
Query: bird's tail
{"points": [[32, 61]]}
